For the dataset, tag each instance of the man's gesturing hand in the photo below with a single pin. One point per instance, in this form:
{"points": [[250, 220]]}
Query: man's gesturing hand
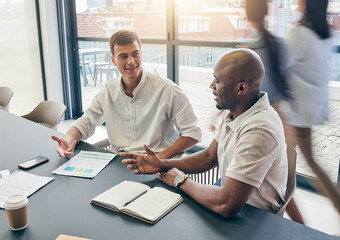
{"points": [[64, 149], [143, 163]]}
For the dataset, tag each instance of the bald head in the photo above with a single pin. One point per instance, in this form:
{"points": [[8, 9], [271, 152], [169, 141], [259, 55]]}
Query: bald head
{"points": [[242, 65]]}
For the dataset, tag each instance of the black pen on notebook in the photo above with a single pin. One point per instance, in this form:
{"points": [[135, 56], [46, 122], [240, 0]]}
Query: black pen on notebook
{"points": [[133, 199]]}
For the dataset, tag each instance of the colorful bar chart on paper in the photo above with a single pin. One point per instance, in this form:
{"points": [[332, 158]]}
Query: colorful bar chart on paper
{"points": [[85, 164]]}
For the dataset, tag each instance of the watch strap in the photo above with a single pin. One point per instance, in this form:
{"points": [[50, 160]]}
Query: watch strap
{"points": [[178, 184]]}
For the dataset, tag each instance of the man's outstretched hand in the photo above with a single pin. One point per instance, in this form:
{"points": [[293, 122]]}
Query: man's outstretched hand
{"points": [[64, 149], [148, 163]]}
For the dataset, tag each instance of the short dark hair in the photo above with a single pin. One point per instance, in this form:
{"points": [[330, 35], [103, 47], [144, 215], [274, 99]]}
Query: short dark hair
{"points": [[123, 37]]}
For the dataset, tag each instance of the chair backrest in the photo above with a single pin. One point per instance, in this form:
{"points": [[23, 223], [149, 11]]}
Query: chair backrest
{"points": [[212, 175], [209, 177], [5, 97], [47, 113], [104, 144], [291, 182]]}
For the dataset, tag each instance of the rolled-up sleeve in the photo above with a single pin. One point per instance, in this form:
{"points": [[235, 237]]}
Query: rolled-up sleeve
{"points": [[91, 118]]}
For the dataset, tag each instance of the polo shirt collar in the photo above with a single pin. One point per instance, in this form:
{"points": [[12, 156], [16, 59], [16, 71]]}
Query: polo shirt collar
{"points": [[261, 104], [139, 87]]}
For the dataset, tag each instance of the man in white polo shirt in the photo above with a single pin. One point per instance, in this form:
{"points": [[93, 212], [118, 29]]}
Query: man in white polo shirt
{"points": [[249, 148], [138, 108]]}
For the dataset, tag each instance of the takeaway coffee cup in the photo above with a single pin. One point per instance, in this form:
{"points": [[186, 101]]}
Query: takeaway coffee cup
{"points": [[16, 209]]}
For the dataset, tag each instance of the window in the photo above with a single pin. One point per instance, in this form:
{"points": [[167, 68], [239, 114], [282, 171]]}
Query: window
{"points": [[112, 25], [110, 16], [238, 22], [182, 39], [209, 56], [193, 24], [194, 79], [185, 58]]}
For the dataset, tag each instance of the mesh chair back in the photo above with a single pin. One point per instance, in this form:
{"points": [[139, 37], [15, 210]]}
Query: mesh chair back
{"points": [[209, 177]]}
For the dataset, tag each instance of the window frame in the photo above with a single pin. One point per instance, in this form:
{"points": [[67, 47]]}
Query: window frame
{"points": [[69, 58]]}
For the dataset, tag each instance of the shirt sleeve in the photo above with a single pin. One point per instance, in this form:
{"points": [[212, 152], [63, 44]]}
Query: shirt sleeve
{"points": [[183, 116], [297, 45], [92, 117], [255, 152]]}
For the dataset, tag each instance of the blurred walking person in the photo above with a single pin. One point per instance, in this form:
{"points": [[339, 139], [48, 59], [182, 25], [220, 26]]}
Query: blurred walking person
{"points": [[309, 46], [274, 54]]}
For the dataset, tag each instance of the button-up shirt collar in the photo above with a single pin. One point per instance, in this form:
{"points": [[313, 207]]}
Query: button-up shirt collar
{"points": [[139, 87]]}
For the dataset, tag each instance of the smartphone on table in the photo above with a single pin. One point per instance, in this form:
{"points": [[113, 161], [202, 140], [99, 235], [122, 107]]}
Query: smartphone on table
{"points": [[33, 162]]}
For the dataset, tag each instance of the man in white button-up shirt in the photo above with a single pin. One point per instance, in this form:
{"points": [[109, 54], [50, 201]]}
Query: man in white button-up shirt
{"points": [[138, 108], [249, 148]]}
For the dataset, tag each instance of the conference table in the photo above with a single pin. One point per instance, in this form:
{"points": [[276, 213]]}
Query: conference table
{"points": [[63, 206]]}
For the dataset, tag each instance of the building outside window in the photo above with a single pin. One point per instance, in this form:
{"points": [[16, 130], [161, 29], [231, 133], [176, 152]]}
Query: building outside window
{"points": [[218, 26], [185, 58], [209, 56], [193, 24]]}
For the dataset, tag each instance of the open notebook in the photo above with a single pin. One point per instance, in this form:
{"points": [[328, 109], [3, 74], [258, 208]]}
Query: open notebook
{"points": [[139, 201]]}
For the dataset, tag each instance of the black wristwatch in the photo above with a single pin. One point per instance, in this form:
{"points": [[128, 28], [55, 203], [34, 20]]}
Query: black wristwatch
{"points": [[179, 180]]}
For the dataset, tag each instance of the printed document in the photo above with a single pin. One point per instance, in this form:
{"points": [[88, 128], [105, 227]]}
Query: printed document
{"points": [[4, 173], [85, 164], [21, 182]]}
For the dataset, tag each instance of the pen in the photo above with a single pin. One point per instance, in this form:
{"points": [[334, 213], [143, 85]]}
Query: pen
{"points": [[133, 199]]}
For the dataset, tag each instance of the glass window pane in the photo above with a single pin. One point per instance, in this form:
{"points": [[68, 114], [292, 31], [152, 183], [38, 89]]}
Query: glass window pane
{"points": [[207, 20], [102, 18], [154, 59], [214, 20], [95, 67], [195, 76]]}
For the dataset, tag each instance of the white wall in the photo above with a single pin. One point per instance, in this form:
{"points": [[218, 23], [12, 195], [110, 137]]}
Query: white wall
{"points": [[19, 56]]}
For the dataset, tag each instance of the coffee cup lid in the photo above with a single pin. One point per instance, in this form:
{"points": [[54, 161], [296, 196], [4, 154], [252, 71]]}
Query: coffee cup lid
{"points": [[15, 202]]}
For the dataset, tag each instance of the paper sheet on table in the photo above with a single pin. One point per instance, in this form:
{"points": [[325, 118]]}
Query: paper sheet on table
{"points": [[21, 182], [85, 164], [4, 173]]}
